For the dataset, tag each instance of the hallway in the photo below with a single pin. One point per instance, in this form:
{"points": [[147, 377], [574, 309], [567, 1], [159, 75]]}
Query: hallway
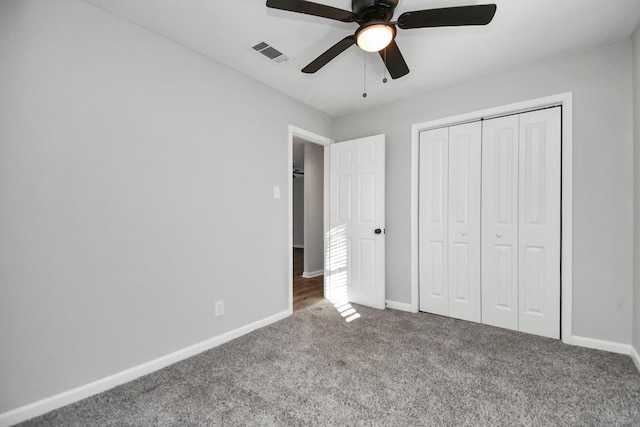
{"points": [[305, 291]]}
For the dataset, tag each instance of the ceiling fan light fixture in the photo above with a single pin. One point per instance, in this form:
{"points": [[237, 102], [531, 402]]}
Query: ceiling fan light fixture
{"points": [[375, 37]]}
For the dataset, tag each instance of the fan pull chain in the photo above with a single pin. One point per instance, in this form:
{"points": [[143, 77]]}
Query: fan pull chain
{"points": [[364, 93], [384, 80]]}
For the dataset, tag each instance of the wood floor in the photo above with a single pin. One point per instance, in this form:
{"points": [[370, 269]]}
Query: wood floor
{"points": [[305, 291]]}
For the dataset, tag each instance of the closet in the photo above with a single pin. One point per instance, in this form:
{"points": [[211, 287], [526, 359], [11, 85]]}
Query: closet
{"points": [[489, 221]]}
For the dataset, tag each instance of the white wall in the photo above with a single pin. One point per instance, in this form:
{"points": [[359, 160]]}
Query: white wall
{"points": [[603, 173], [636, 216], [313, 207], [123, 218]]}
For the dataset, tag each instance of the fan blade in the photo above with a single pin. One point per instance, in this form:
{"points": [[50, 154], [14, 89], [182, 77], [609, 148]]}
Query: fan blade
{"points": [[330, 53], [394, 61], [311, 8], [448, 17]]}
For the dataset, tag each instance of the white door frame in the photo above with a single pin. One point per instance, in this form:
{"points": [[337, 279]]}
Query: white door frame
{"points": [[320, 140], [566, 238]]}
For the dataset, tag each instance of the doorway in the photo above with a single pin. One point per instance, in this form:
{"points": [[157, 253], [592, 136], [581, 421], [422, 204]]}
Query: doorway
{"points": [[308, 204]]}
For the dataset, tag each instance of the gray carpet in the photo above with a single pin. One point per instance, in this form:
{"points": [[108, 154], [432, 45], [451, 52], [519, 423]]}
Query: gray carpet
{"points": [[386, 368]]}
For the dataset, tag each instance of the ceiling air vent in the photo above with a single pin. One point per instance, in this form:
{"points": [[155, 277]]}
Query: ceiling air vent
{"points": [[271, 53]]}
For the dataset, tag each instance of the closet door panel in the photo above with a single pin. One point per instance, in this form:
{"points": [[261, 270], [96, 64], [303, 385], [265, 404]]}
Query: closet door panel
{"points": [[464, 221], [500, 222], [433, 208], [539, 232]]}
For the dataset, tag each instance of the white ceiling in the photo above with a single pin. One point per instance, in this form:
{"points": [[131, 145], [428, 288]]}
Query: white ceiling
{"points": [[522, 31]]}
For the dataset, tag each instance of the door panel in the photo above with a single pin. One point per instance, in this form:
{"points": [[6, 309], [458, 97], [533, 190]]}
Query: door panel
{"points": [[367, 197], [367, 258], [343, 198], [356, 254], [503, 271], [500, 222], [433, 239], [539, 241], [464, 221], [459, 273]]}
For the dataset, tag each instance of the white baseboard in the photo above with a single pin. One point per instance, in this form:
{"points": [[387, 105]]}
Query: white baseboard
{"points": [[596, 344], [298, 246], [312, 274], [635, 357], [43, 406], [399, 306]]}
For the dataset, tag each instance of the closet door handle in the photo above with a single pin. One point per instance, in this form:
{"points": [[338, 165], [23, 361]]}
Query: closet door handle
{"points": [[463, 233], [498, 235]]}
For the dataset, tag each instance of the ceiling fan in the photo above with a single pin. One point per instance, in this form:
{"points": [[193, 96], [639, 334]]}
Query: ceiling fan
{"points": [[376, 31]]}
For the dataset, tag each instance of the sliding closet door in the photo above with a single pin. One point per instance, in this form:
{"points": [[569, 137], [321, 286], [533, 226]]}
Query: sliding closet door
{"points": [[500, 222], [539, 239], [434, 186], [464, 221]]}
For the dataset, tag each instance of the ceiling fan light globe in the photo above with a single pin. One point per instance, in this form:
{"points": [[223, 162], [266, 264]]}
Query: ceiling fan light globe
{"points": [[375, 37]]}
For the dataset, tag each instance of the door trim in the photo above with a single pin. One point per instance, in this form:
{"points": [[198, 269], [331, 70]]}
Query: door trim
{"points": [[566, 234], [320, 140]]}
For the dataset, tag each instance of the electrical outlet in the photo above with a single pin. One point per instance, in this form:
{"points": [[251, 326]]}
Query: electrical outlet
{"points": [[219, 308]]}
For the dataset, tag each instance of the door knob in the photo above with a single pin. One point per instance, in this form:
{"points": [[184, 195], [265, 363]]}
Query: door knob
{"points": [[463, 233], [498, 235], [377, 231]]}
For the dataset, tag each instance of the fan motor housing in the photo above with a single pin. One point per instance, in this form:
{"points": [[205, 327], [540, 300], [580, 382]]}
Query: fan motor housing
{"points": [[373, 10]]}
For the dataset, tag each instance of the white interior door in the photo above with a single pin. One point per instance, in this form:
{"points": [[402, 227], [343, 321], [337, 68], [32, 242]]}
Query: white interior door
{"points": [[500, 222], [356, 241], [539, 231], [433, 206], [464, 221]]}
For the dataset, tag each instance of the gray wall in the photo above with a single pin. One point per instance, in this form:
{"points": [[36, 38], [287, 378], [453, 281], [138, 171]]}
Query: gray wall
{"points": [[298, 211], [600, 80], [636, 216], [313, 207], [122, 217]]}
